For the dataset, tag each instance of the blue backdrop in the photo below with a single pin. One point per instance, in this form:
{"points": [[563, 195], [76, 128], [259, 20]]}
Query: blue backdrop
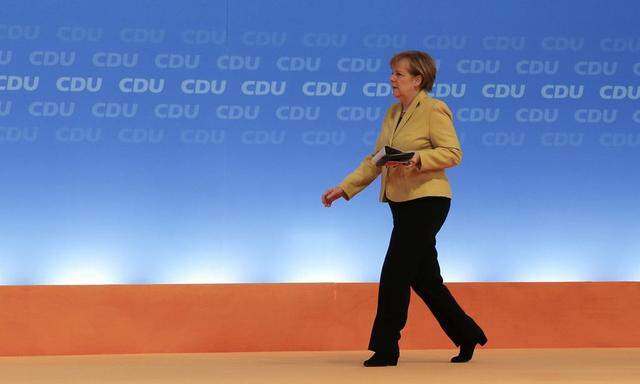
{"points": [[189, 141]]}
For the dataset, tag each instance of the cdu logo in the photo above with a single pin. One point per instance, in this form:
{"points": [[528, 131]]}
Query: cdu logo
{"points": [[446, 90], [202, 136], [561, 139], [620, 44], [599, 116], [503, 43], [319, 88], [445, 42], [114, 60], [18, 83], [76, 34], [227, 62], [78, 84], [384, 41], [5, 107], [177, 111], [264, 39], [114, 110], [18, 134], [358, 113], [203, 36], [19, 32], [5, 57], [356, 64], [262, 88], [559, 43], [51, 109], [334, 138], [478, 115], [467, 66], [595, 68], [296, 64], [619, 92], [203, 86], [324, 40], [561, 91], [297, 113], [141, 135], [78, 135], [141, 35], [376, 89], [140, 85], [503, 139], [536, 67], [52, 58], [263, 137], [238, 112], [501, 91], [172, 60], [537, 115], [620, 139]]}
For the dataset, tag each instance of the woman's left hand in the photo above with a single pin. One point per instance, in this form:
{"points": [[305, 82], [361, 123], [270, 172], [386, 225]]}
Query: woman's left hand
{"points": [[414, 162]]}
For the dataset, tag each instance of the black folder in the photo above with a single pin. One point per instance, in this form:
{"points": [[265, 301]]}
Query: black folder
{"points": [[388, 153]]}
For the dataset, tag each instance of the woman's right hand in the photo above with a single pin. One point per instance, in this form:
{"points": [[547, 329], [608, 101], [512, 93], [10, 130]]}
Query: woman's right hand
{"points": [[331, 195]]}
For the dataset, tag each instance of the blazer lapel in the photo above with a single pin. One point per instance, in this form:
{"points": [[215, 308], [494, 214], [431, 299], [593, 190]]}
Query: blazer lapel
{"points": [[419, 99]]}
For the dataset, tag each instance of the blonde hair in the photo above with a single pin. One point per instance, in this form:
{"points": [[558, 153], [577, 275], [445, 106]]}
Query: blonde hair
{"points": [[420, 63]]}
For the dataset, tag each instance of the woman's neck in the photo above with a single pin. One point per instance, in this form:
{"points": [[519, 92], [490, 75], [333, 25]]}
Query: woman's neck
{"points": [[406, 101]]}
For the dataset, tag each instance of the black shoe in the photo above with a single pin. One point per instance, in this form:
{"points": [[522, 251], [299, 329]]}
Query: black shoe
{"points": [[381, 360], [466, 350]]}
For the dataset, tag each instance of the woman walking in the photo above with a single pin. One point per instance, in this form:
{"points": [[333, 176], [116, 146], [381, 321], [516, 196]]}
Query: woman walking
{"points": [[419, 196]]}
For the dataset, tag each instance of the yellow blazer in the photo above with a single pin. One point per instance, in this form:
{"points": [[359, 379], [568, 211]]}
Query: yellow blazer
{"points": [[426, 128]]}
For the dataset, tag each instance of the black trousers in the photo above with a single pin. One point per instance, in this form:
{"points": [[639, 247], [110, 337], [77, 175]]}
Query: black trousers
{"points": [[412, 262]]}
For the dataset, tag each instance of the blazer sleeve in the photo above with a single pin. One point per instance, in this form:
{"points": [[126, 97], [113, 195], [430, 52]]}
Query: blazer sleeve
{"points": [[446, 151], [367, 171]]}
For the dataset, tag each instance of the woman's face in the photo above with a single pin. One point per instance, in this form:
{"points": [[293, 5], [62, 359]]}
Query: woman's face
{"points": [[403, 83]]}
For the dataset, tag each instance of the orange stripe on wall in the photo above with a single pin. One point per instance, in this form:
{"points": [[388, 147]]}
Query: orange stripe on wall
{"points": [[106, 319]]}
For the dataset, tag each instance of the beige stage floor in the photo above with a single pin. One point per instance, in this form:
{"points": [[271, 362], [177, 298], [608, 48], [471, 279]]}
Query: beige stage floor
{"points": [[495, 366]]}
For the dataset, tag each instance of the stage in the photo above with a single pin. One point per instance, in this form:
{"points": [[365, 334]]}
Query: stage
{"points": [[601, 365], [163, 170]]}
